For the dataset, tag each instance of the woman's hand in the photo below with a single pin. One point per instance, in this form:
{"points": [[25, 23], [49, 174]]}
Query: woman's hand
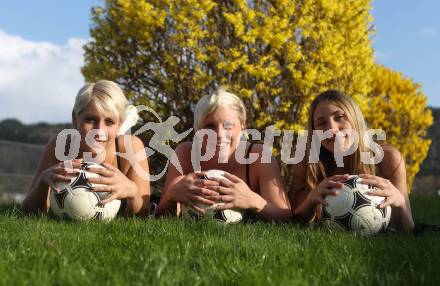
{"points": [[192, 191], [325, 188], [236, 194], [112, 180], [61, 172], [384, 188]]}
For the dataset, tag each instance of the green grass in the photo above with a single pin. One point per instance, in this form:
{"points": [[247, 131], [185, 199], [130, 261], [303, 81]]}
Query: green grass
{"points": [[41, 251]]}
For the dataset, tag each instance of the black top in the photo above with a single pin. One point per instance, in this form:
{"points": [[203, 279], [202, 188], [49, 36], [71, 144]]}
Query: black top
{"points": [[249, 215], [118, 165], [118, 159], [248, 178]]}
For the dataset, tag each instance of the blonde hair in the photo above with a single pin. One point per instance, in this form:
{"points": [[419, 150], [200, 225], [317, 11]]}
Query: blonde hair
{"points": [[106, 96], [218, 99], [316, 172]]}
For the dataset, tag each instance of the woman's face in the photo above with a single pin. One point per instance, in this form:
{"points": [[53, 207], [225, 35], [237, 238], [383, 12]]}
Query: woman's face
{"points": [[328, 116], [225, 122], [106, 125]]}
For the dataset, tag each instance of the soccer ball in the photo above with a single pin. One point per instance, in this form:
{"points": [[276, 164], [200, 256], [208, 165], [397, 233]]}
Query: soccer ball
{"points": [[75, 201], [354, 210], [225, 216]]}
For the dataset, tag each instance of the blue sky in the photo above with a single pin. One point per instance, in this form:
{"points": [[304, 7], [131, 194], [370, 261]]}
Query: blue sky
{"points": [[47, 20], [408, 40], [41, 54]]}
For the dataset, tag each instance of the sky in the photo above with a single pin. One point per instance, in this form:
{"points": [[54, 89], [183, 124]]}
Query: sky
{"points": [[41, 52], [408, 40]]}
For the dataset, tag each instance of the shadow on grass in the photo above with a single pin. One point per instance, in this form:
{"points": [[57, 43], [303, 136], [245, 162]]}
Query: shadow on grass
{"points": [[426, 209], [11, 209], [402, 259], [334, 259]]}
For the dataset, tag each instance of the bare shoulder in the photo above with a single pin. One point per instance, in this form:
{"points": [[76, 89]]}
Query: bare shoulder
{"points": [[135, 142], [299, 170], [267, 178], [260, 150], [264, 165], [49, 155], [52, 141], [392, 161], [132, 146], [392, 157], [183, 155], [184, 149], [48, 158]]}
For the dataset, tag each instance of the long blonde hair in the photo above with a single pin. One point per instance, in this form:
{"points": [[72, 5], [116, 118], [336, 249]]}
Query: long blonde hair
{"points": [[316, 172]]}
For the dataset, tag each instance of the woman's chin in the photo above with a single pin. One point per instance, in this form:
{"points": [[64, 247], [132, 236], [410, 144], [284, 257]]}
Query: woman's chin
{"points": [[329, 147], [223, 157], [95, 151]]}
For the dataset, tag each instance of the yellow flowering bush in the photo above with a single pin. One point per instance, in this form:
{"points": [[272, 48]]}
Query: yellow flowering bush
{"points": [[398, 106], [276, 55]]}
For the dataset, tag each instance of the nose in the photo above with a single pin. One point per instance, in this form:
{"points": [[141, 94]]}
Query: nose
{"points": [[99, 125], [220, 131], [102, 130], [334, 126], [223, 132]]}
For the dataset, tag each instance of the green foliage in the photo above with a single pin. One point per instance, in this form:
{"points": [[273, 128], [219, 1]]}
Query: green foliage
{"points": [[40, 251], [399, 108], [276, 55], [37, 133]]}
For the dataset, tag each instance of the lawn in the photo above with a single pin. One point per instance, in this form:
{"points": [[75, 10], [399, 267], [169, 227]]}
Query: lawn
{"points": [[42, 251]]}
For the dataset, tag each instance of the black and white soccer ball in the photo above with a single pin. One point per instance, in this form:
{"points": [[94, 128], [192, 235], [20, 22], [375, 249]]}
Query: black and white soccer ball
{"points": [[76, 201], [224, 216], [354, 210]]}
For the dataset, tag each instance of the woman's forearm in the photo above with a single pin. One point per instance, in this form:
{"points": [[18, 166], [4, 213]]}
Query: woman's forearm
{"points": [[405, 221], [135, 206], [269, 211], [306, 210], [166, 205], [36, 199]]}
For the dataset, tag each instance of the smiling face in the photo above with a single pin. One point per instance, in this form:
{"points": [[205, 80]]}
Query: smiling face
{"points": [[329, 116], [106, 123], [226, 123]]}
